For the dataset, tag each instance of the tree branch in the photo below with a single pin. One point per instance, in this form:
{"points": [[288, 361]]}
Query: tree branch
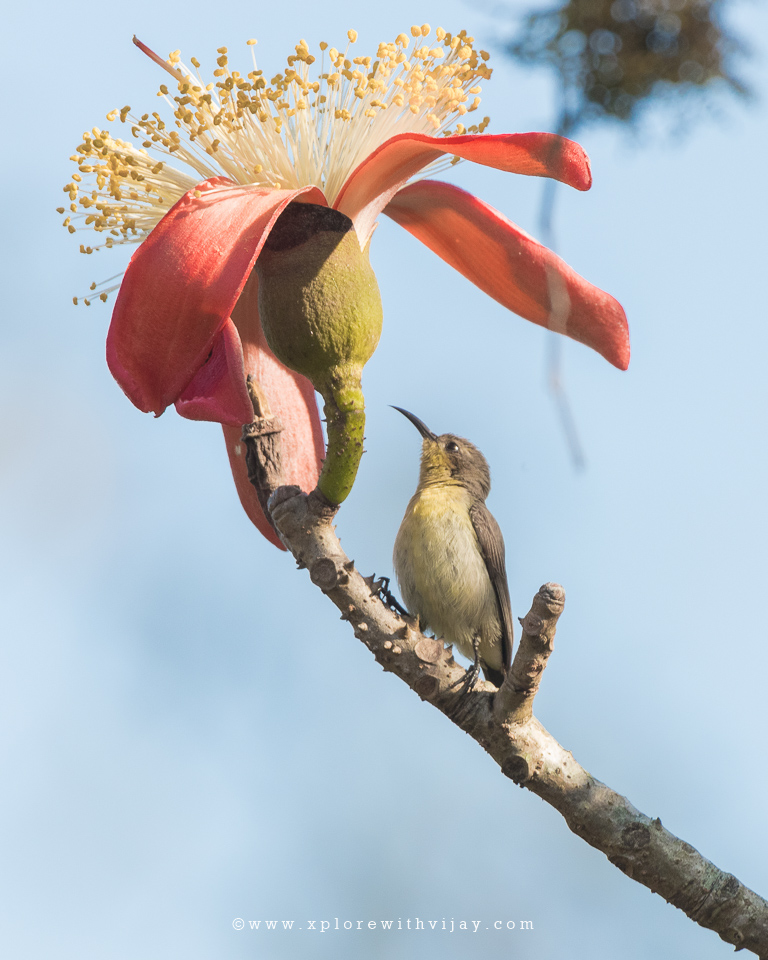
{"points": [[502, 722], [263, 447]]}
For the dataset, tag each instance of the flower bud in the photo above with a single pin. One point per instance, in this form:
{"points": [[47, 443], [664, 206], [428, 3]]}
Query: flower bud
{"points": [[321, 312]]}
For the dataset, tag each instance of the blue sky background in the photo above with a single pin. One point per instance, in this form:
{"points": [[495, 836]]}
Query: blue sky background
{"points": [[188, 734]]}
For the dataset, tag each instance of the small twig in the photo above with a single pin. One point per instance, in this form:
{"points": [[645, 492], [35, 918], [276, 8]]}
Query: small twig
{"points": [[514, 701]]}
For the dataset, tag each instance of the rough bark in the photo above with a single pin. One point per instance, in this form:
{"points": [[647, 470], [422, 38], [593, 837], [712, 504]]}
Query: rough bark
{"points": [[263, 448]]}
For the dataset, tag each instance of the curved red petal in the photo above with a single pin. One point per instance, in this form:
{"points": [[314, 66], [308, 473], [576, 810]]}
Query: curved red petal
{"points": [[217, 391], [511, 266], [372, 185], [291, 397], [183, 282]]}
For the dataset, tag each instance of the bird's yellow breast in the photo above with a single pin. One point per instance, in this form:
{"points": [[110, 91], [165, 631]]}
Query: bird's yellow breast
{"points": [[442, 574]]}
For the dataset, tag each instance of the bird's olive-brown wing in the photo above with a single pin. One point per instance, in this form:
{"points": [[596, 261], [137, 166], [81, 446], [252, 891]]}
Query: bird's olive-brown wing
{"points": [[492, 548]]}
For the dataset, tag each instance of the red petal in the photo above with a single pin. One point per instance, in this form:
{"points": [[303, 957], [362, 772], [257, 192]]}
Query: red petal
{"points": [[511, 266], [372, 185], [217, 391], [291, 397], [182, 284]]}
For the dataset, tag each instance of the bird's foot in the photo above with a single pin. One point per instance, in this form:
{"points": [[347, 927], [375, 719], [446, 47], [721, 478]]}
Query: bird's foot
{"points": [[468, 682], [464, 687], [380, 588]]}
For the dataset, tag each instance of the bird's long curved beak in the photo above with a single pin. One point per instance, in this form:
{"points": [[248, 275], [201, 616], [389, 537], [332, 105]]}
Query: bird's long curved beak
{"points": [[419, 424]]}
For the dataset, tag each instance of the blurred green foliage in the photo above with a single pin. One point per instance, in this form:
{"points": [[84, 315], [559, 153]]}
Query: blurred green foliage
{"points": [[613, 56]]}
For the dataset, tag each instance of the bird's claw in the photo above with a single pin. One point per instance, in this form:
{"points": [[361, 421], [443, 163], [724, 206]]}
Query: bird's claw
{"points": [[468, 682], [382, 591]]}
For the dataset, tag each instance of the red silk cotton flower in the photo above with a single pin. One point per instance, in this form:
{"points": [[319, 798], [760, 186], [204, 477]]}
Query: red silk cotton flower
{"points": [[185, 329]]}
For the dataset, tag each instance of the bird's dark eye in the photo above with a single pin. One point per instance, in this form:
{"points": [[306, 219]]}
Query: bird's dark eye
{"points": [[452, 447]]}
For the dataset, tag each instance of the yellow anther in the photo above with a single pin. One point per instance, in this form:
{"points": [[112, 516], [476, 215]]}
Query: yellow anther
{"points": [[267, 133]]}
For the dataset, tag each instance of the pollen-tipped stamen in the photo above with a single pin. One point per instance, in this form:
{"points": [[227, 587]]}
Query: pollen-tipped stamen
{"points": [[291, 131]]}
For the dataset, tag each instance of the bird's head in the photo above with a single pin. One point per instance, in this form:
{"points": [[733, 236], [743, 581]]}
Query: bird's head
{"points": [[450, 459]]}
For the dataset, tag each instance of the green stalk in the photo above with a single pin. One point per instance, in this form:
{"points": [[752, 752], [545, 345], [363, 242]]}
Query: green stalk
{"points": [[344, 409]]}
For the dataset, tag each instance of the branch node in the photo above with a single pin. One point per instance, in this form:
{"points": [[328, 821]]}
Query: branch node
{"points": [[636, 836], [517, 769], [283, 495], [553, 595], [320, 506], [428, 650], [348, 613], [427, 687], [323, 574], [532, 624]]}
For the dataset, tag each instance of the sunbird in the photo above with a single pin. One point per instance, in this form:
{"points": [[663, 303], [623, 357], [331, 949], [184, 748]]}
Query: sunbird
{"points": [[449, 555]]}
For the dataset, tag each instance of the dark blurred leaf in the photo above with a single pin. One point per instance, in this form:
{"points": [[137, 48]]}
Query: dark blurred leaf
{"points": [[614, 55]]}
